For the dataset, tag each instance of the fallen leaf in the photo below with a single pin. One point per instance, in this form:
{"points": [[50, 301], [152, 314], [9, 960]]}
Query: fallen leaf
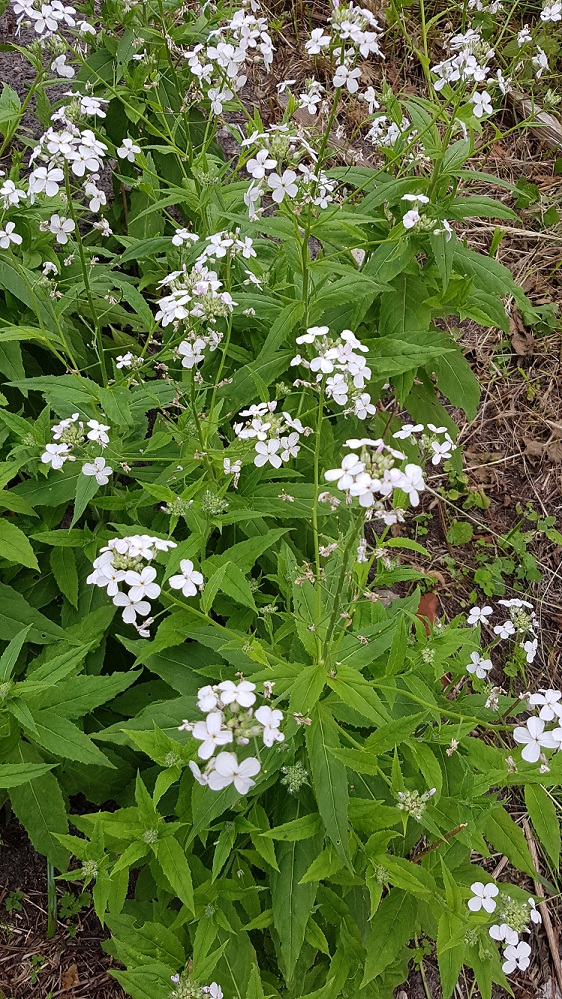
{"points": [[427, 610], [69, 978], [535, 449], [522, 341]]}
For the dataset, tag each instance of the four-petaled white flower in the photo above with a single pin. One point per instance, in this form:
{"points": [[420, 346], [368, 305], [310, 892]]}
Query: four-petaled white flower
{"points": [[411, 218], [479, 666], [534, 738], [55, 455], [98, 432], [211, 734], [550, 702], [8, 235], [99, 470], [266, 451], [271, 719], [346, 77], [188, 580], [61, 227], [483, 896], [517, 957], [142, 583], [482, 103], [479, 615], [131, 607], [262, 162], [284, 185], [207, 699], [215, 991], [128, 150], [237, 693], [504, 630], [503, 933], [228, 770]]}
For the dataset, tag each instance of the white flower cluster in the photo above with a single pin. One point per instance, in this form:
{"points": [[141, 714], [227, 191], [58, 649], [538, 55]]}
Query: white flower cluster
{"points": [[354, 31], [48, 18], [80, 149], [468, 63], [123, 560], [231, 720], [369, 473], [385, 133], [219, 65], [227, 244], [276, 161], [72, 433], [193, 293], [522, 622], [435, 449], [277, 437], [185, 987], [515, 917], [534, 736], [344, 371]]}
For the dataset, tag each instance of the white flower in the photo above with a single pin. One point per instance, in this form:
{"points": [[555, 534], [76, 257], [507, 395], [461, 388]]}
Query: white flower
{"points": [[534, 738], [282, 186], [351, 467], [55, 455], [411, 218], [10, 194], [188, 580], [207, 699], [262, 162], [516, 957], [59, 67], [201, 778], [218, 97], [479, 666], [131, 607], [124, 360], [317, 41], [271, 720], [370, 98], [479, 615], [483, 897], [142, 583], [97, 432], [407, 430], [229, 771], [552, 12], [215, 991], [441, 450], [96, 196], [99, 469], [534, 913], [237, 693], [290, 446], [423, 200], [550, 703], [60, 227], [211, 734], [540, 62], [346, 77], [92, 106], [266, 451], [504, 630], [410, 481], [128, 150], [503, 933], [482, 103], [8, 236], [182, 236], [530, 648]]}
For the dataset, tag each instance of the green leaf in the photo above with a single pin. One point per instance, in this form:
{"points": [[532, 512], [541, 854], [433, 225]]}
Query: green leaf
{"points": [[151, 981], [40, 807], [392, 926], [456, 381], [544, 816], [479, 206], [15, 547], [173, 861], [329, 778], [292, 902], [63, 738], [506, 836], [63, 564], [10, 654], [16, 613], [297, 829], [391, 735], [86, 489], [14, 774], [450, 957], [212, 587], [151, 941], [460, 532]]}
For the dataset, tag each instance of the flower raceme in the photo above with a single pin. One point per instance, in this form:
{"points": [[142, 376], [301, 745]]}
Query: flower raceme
{"points": [[369, 473], [277, 436], [231, 720]]}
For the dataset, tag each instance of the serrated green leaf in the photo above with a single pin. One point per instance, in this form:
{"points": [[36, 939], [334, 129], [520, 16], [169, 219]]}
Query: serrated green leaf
{"points": [[506, 836], [546, 823], [14, 545], [392, 926], [173, 861], [63, 564], [329, 778], [40, 807]]}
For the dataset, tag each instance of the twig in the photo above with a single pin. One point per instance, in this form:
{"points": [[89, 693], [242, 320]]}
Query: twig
{"points": [[551, 934]]}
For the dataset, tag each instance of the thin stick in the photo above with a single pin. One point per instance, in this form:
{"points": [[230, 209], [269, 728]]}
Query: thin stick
{"points": [[551, 934]]}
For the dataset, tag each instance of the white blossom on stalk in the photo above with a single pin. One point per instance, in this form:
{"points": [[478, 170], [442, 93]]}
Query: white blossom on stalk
{"points": [[317, 42], [482, 103], [552, 12], [346, 77], [98, 432], [534, 913], [258, 166], [60, 68], [131, 607], [533, 738], [188, 580], [540, 62], [479, 666], [10, 194], [211, 734], [503, 934], [182, 236], [504, 630], [228, 770], [271, 720], [142, 583], [99, 470], [479, 615], [517, 957], [550, 702], [61, 227], [284, 185], [237, 693], [8, 236], [128, 150], [411, 218], [483, 897], [56, 455]]}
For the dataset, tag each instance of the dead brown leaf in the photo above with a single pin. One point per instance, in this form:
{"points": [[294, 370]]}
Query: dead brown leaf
{"points": [[69, 978], [522, 341], [427, 610]]}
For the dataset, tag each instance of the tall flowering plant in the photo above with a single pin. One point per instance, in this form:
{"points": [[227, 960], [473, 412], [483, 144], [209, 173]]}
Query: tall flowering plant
{"points": [[211, 366]]}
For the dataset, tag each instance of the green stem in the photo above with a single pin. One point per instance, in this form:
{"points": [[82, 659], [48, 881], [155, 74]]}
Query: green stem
{"points": [[51, 902]]}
